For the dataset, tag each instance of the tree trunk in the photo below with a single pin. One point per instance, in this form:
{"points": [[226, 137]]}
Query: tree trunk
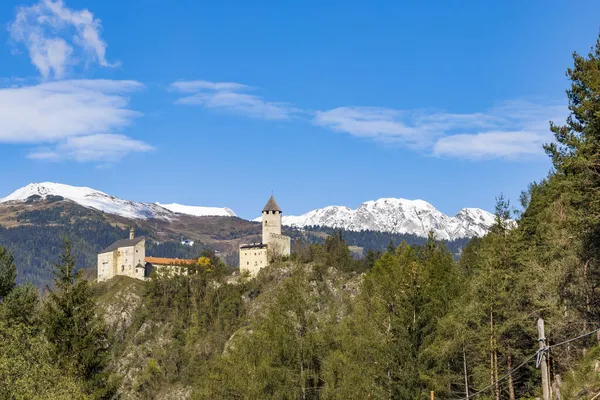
{"points": [[587, 294], [493, 358], [497, 386], [466, 374], [491, 347], [511, 387]]}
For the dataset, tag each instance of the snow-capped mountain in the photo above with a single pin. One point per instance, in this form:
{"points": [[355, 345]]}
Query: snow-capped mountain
{"points": [[98, 200], [199, 211], [416, 217]]}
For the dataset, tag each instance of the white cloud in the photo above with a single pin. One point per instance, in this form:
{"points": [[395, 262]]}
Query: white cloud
{"points": [[510, 130], [103, 148], [231, 97], [196, 86], [382, 124], [77, 119], [56, 110], [502, 144], [58, 38]]}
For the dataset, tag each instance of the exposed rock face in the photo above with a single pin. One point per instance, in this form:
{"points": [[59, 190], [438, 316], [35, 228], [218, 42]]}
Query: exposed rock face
{"points": [[120, 303]]}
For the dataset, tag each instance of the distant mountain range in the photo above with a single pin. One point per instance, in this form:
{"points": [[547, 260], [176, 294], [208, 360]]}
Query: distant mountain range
{"points": [[413, 217], [398, 216]]}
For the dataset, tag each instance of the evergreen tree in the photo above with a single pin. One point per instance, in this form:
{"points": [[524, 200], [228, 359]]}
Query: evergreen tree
{"points": [[576, 158], [78, 335], [21, 306], [8, 272], [337, 252]]}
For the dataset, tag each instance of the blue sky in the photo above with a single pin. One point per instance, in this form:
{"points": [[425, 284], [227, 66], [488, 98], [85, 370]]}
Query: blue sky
{"points": [[319, 102]]}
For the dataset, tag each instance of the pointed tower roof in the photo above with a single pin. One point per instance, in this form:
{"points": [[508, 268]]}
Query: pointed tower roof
{"points": [[272, 205]]}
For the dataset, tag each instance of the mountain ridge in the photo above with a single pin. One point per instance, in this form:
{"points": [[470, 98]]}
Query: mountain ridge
{"points": [[397, 215], [392, 215], [95, 199]]}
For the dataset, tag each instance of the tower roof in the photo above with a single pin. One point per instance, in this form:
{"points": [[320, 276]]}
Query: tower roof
{"points": [[272, 205]]}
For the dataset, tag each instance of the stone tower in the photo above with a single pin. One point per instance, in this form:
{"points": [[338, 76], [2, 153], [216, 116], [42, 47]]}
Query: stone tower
{"points": [[271, 220]]}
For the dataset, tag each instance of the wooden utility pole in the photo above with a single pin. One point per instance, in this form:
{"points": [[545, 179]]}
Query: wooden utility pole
{"points": [[432, 395], [543, 360]]}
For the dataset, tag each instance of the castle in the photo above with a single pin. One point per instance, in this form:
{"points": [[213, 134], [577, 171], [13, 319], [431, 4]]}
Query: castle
{"points": [[255, 256], [127, 257]]}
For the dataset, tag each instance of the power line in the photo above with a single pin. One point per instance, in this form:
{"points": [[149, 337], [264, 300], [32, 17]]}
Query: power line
{"points": [[538, 354], [509, 373], [574, 339]]}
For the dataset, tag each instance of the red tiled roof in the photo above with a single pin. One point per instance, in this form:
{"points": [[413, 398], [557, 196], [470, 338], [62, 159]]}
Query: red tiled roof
{"points": [[169, 261]]}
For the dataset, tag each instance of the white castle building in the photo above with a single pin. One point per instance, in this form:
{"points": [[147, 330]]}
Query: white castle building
{"points": [[127, 257], [255, 256]]}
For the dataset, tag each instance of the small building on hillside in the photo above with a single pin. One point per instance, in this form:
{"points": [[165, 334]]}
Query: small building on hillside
{"points": [[127, 257], [123, 257], [254, 257]]}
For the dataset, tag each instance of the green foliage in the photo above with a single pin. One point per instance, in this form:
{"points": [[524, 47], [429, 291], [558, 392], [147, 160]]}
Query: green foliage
{"points": [[77, 334], [8, 272], [384, 343], [27, 371], [280, 354], [583, 382], [20, 306], [576, 158]]}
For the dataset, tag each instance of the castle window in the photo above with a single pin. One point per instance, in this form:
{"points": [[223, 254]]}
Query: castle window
{"points": [[247, 262], [122, 268]]}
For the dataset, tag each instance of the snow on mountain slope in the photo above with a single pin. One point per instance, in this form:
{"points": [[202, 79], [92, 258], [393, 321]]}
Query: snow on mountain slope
{"points": [[199, 211], [95, 199], [416, 217]]}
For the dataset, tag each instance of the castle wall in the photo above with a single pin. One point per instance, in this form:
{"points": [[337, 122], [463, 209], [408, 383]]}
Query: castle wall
{"points": [[279, 245], [253, 258], [105, 266]]}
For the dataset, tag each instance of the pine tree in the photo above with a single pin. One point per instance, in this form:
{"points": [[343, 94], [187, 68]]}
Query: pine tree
{"points": [[576, 158], [78, 335], [8, 272]]}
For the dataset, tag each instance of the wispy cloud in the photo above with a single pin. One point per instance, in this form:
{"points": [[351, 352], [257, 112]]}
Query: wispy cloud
{"points": [[57, 38], [78, 119], [510, 130], [519, 130], [231, 97], [102, 148]]}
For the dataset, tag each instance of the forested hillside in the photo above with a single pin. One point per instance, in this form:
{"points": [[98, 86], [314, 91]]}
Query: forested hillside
{"points": [[397, 324], [37, 238]]}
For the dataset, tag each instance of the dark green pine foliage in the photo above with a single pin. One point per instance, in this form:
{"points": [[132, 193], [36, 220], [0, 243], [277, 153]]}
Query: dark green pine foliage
{"points": [[8, 272], [576, 158], [78, 335], [338, 254]]}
